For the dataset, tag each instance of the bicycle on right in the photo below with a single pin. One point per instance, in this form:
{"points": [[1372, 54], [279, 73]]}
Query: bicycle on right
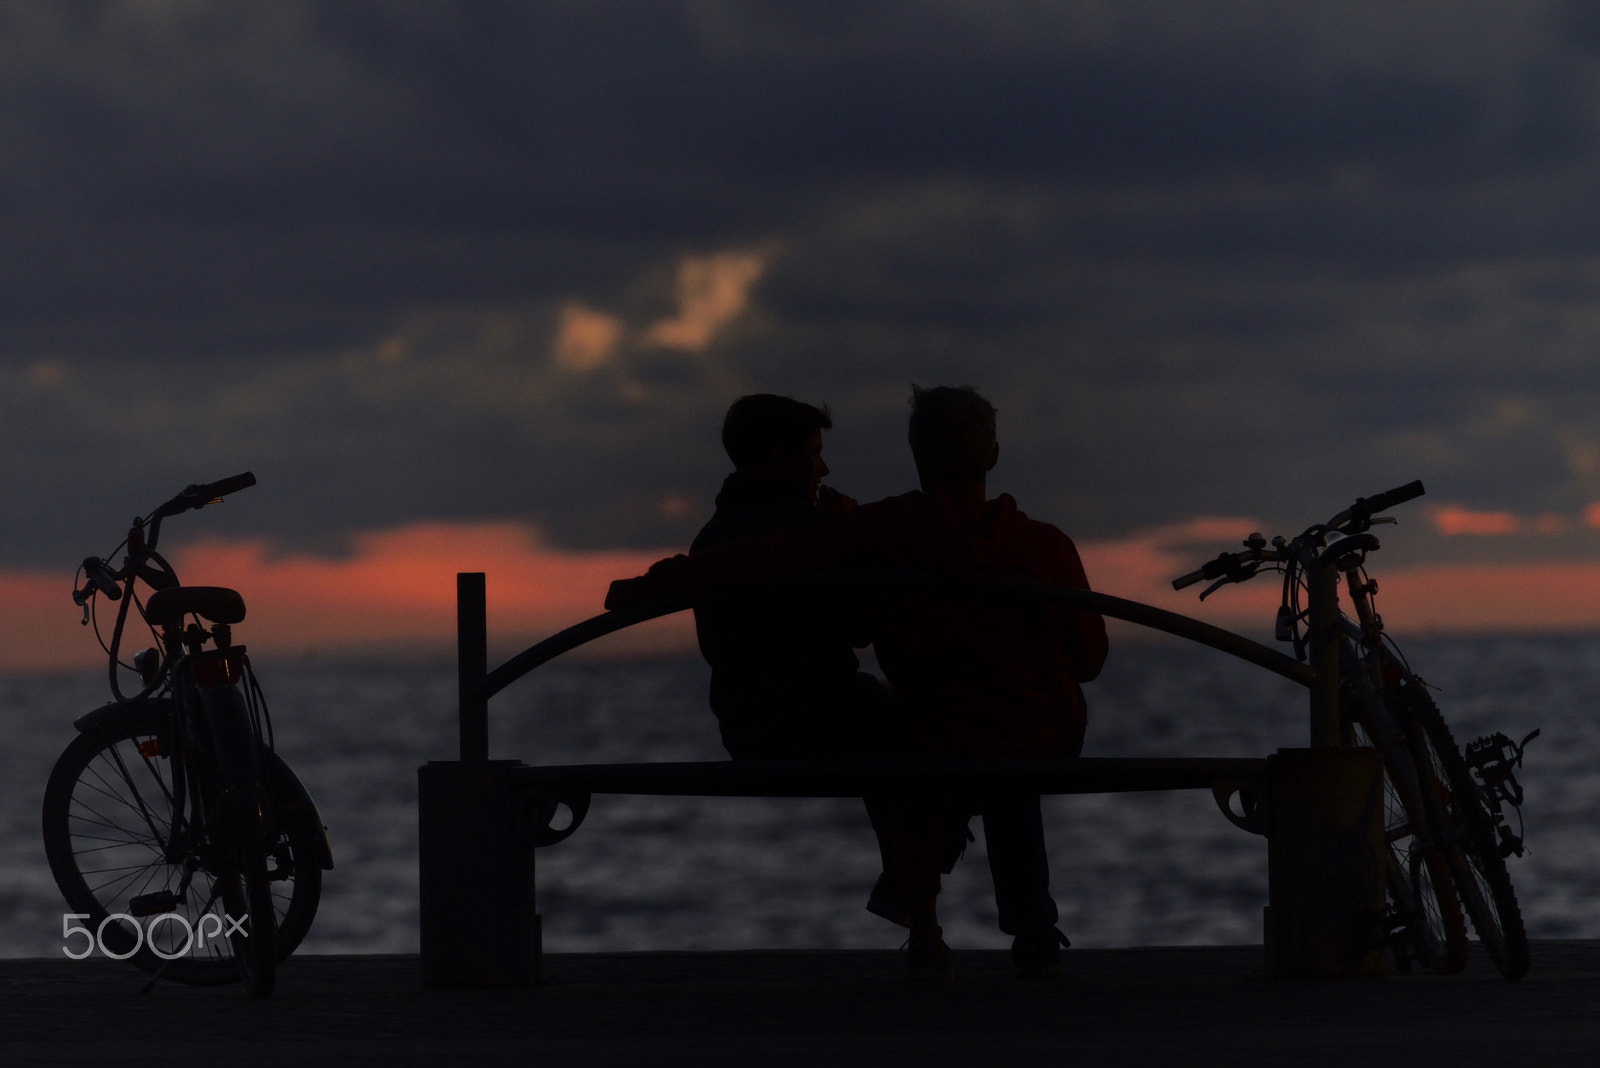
{"points": [[1446, 814]]}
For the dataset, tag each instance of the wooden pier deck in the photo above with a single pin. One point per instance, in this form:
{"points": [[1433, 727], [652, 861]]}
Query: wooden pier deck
{"points": [[1185, 1006]]}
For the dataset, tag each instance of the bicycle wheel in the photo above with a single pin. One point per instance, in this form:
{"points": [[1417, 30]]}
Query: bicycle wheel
{"points": [[110, 840], [1426, 920], [1476, 863]]}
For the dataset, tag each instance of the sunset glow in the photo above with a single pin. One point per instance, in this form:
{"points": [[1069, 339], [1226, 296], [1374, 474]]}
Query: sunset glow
{"points": [[395, 592]]}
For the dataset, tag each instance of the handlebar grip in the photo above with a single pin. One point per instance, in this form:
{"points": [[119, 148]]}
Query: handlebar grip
{"points": [[1366, 507], [1210, 570], [97, 576], [210, 491], [198, 495]]}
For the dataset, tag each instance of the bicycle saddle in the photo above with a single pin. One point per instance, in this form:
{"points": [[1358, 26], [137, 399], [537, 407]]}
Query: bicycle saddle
{"points": [[215, 604]]}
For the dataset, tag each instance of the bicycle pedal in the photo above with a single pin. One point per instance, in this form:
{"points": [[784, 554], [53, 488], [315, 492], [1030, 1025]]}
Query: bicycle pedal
{"points": [[153, 904]]}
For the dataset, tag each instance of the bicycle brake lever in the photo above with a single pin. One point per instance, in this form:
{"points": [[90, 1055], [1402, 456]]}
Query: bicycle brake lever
{"points": [[1236, 574]]}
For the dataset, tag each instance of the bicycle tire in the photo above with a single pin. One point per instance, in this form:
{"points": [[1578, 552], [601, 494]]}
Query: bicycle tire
{"points": [[107, 845], [1472, 849], [1425, 913]]}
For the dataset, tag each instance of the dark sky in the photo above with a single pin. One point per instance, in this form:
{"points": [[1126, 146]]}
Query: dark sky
{"points": [[423, 260]]}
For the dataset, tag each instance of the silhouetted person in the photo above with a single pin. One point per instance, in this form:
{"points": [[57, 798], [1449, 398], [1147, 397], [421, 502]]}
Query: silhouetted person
{"points": [[785, 679], [971, 676]]}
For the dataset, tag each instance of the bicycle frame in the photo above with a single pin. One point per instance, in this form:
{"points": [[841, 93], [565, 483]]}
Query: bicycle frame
{"points": [[179, 782], [1450, 837]]}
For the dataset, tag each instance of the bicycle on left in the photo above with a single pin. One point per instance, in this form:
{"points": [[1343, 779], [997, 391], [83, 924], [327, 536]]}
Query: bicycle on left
{"points": [[178, 836]]}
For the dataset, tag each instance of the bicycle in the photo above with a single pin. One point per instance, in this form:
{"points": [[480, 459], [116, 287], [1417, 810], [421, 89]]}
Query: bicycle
{"points": [[1445, 814], [172, 827]]}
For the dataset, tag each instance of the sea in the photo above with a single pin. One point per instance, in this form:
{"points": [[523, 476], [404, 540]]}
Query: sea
{"points": [[647, 873]]}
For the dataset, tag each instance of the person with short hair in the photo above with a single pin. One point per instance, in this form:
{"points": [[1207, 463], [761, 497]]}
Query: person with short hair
{"points": [[785, 679]]}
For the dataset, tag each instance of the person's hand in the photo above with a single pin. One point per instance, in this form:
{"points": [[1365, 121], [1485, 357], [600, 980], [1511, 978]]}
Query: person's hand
{"points": [[626, 592], [663, 579], [833, 503]]}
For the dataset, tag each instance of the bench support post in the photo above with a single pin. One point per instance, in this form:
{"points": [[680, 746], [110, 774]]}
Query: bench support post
{"points": [[479, 926], [1325, 868], [472, 660]]}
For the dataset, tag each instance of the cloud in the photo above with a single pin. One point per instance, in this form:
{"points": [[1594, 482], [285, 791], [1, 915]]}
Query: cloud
{"points": [[393, 589], [586, 338], [1452, 520], [502, 261], [1141, 567], [712, 292]]}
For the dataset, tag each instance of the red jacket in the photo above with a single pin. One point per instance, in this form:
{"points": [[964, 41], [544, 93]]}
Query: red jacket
{"points": [[972, 675]]}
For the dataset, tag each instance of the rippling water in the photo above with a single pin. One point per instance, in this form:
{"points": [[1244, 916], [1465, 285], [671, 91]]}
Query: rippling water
{"points": [[658, 873]]}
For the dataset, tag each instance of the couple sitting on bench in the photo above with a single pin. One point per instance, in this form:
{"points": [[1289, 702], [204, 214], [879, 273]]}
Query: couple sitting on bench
{"points": [[965, 676]]}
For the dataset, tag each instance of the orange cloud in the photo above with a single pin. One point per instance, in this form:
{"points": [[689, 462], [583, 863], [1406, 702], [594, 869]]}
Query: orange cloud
{"points": [[1493, 597], [586, 338], [396, 591], [1141, 567], [1452, 520], [712, 291]]}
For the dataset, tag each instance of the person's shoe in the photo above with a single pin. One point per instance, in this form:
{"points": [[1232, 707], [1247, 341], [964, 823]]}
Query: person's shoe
{"points": [[1037, 955], [885, 901], [928, 960]]}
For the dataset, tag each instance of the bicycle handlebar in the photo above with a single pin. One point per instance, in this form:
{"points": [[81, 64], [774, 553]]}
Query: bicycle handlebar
{"points": [[1357, 517], [1367, 507], [201, 494]]}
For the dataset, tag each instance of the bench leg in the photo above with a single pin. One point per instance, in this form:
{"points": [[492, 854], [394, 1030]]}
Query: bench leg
{"points": [[1325, 875], [479, 926]]}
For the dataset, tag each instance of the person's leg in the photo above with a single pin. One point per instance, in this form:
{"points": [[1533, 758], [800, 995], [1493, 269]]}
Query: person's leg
{"points": [[887, 898], [1013, 830], [918, 849]]}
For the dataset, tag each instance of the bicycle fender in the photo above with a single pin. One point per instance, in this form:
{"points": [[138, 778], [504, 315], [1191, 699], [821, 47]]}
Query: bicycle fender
{"points": [[155, 711], [292, 801], [234, 743]]}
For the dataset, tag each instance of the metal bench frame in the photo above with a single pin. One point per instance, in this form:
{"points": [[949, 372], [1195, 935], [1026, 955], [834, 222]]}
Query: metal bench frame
{"points": [[480, 820]]}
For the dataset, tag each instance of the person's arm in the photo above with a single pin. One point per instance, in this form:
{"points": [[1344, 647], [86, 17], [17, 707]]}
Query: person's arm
{"points": [[1090, 643], [738, 563]]}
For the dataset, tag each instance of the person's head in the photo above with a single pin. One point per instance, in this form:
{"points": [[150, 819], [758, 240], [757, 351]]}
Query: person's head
{"points": [[779, 437], [952, 434]]}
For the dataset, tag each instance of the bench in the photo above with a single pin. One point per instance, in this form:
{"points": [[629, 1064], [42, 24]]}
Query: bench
{"points": [[481, 820]]}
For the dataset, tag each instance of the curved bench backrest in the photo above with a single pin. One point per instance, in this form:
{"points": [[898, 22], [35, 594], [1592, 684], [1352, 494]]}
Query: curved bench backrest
{"points": [[478, 684]]}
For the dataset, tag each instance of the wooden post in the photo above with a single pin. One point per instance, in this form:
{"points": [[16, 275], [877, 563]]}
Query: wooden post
{"points": [[1325, 867]]}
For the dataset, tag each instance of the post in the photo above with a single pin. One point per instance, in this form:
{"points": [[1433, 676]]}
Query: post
{"points": [[472, 655], [475, 884], [1325, 863], [474, 859]]}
